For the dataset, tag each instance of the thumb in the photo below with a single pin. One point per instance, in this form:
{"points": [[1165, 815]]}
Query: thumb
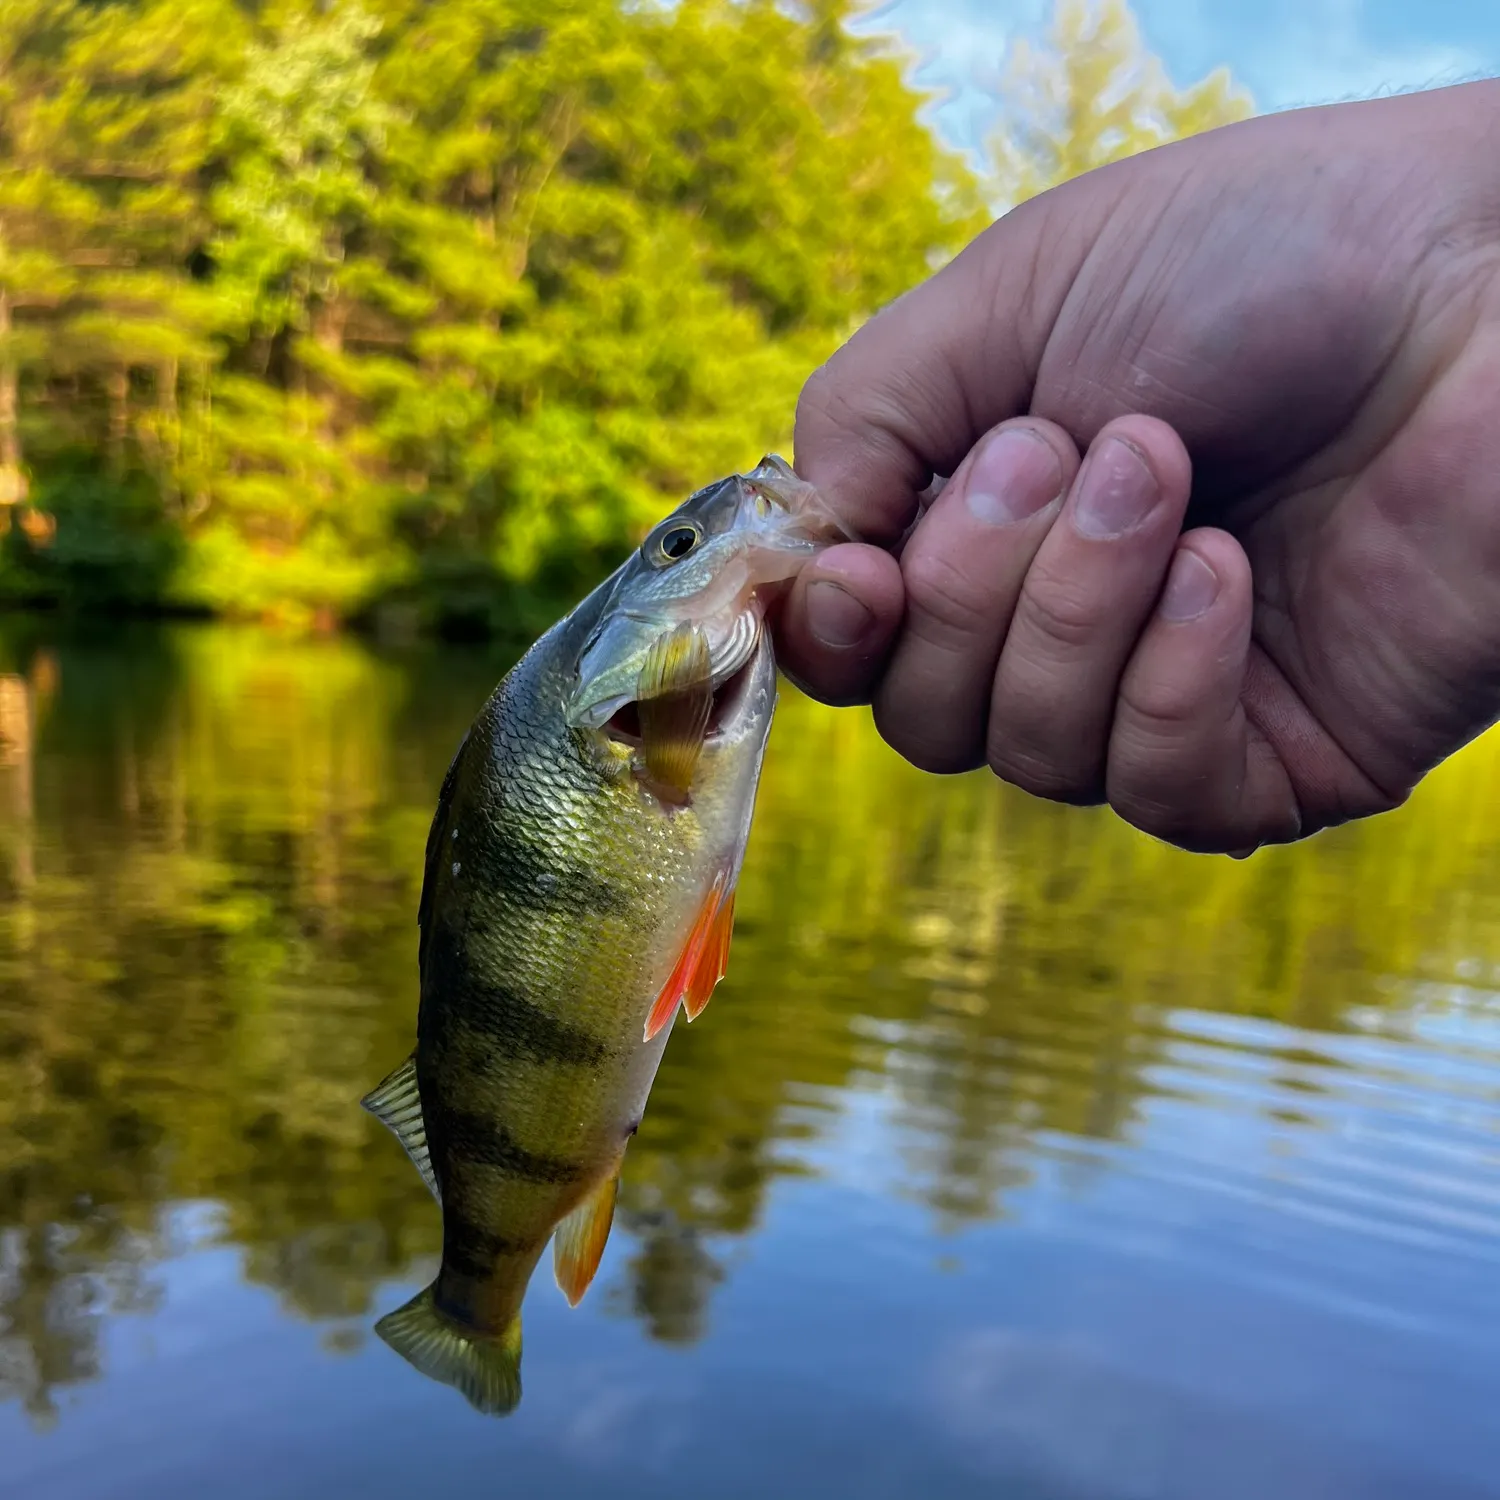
{"points": [[913, 390]]}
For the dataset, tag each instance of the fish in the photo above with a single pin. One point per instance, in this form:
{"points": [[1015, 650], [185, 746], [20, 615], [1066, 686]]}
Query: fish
{"points": [[578, 894]]}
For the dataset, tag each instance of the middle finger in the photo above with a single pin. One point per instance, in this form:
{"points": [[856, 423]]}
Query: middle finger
{"points": [[1087, 595], [962, 569]]}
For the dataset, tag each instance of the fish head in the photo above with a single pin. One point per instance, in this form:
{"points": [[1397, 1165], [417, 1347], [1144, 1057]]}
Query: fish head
{"points": [[670, 662]]}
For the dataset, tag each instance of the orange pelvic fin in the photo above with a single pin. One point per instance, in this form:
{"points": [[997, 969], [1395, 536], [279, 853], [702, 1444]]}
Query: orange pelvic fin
{"points": [[579, 1242], [702, 955], [714, 961]]}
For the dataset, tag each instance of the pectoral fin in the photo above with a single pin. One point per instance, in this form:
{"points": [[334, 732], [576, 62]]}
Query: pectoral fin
{"points": [[701, 963], [579, 1241], [713, 962], [675, 700], [396, 1103]]}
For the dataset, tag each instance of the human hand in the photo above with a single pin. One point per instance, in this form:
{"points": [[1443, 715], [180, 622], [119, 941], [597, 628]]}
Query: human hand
{"points": [[1283, 336]]}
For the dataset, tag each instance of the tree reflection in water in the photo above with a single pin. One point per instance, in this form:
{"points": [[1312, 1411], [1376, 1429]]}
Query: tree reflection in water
{"points": [[210, 849]]}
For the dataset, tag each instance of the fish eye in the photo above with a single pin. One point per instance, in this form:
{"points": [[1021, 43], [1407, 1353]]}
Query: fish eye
{"points": [[678, 541]]}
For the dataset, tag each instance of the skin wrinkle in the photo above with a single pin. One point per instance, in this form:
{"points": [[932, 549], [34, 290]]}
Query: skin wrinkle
{"points": [[1277, 645], [999, 293], [1342, 461], [818, 405], [1333, 262], [945, 597], [1168, 252], [1271, 699], [1405, 512], [963, 383], [1402, 516], [1395, 342], [1033, 303], [956, 424], [939, 400], [1137, 348], [1345, 456]]}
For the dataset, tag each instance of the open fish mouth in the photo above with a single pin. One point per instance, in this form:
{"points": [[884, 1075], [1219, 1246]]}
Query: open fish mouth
{"points": [[729, 683]]}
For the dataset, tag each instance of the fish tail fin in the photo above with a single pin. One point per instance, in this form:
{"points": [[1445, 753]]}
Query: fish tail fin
{"points": [[487, 1371]]}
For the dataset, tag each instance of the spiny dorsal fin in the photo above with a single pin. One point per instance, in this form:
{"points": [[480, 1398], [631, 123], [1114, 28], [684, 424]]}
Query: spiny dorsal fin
{"points": [[580, 1239], [395, 1102]]}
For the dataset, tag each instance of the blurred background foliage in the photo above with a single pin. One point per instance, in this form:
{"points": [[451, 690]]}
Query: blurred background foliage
{"points": [[419, 313]]}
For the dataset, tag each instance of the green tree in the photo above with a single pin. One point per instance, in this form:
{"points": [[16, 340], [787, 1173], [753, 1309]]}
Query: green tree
{"points": [[39, 209], [104, 113], [314, 308]]}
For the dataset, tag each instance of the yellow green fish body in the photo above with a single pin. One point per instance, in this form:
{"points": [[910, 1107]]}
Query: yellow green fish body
{"points": [[578, 891]]}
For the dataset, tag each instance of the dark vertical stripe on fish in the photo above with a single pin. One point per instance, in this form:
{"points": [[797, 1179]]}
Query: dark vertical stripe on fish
{"points": [[487, 1023], [522, 1027], [535, 875], [483, 1142], [472, 1250]]}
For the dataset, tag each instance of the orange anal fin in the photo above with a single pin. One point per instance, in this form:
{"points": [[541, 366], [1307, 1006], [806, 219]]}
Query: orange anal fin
{"points": [[579, 1241], [680, 982], [713, 962]]}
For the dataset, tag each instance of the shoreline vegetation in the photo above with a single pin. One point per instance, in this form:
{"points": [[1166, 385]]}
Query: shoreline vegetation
{"points": [[412, 317]]}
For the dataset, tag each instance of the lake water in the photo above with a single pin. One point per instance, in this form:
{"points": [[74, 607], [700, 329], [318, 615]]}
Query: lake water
{"points": [[1017, 1156]]}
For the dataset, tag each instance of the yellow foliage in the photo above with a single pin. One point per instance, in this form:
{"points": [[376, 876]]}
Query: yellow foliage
{"points": [[1091, 94]]}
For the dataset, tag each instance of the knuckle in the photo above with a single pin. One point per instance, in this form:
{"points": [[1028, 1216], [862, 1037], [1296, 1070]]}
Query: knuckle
{"points": [[1041, 775], [1061, 613], [935, 744], [1154, 811], [940, 590], [1158, 708], [821, 403]]}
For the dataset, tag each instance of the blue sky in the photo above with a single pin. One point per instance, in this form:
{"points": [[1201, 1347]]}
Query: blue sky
{"points": [[1287, 52]]}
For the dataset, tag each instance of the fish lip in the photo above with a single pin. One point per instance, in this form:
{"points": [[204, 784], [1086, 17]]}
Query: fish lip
{"points": [[807, 516]]}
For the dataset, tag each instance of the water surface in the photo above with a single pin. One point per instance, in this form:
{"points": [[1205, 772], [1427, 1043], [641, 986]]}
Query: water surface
{"points": [[1017, 1155]]}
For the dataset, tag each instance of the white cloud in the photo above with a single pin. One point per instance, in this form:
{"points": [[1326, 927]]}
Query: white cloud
{"points": [[1287, 52], [955, 45]]}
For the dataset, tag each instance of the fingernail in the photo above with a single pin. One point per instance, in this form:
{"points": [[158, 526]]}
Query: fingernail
{"points": [[835, 617], [1191, 587], [1015, 474], [1116, 493]]}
